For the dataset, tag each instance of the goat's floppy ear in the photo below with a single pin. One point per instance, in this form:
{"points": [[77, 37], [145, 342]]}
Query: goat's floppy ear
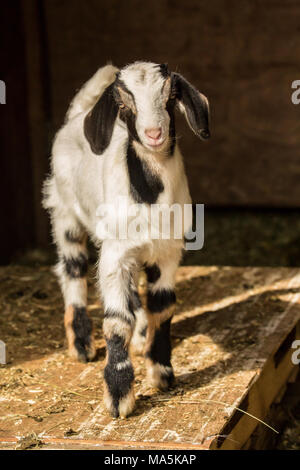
{"points": [[193, 104], [99, 123]]}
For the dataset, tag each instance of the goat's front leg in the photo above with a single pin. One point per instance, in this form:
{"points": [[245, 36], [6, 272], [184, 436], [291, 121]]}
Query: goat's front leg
{"points": [[118, 325], [161, 300]]}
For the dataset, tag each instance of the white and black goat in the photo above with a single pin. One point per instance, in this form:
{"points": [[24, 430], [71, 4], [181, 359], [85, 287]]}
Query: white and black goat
{"points": [[119, 140]]}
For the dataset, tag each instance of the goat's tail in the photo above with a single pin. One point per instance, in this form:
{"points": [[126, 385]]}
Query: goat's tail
{"points": [[89, 93]]}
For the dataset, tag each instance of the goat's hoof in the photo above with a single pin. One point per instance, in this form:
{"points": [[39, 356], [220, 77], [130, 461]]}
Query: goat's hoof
{"points": [[91, 351], [83, 353], [79, 334], [138, 340], [161, 377], [118, 386], [120, 408], [79, 356], [138, 344]]}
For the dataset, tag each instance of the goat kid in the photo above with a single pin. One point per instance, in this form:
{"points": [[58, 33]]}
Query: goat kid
{"points": [[119, 139]]}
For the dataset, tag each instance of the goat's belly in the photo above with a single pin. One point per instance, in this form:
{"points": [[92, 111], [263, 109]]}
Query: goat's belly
{"points": [[138, 223]]}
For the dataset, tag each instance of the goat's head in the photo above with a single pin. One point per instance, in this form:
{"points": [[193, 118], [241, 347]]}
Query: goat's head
{"points": [[144, 96]]}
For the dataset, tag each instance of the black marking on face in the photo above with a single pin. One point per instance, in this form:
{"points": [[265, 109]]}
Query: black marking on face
{"points": [[120, 84], [76, 267], [109, 313], [73, 237], [160, 300], [160, 350], [153, 273], [126, 114], [145, 186], [82, 327], [170, 105], [119, 381]]}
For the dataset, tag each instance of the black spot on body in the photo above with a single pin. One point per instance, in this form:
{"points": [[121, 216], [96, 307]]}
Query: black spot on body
{"points": [[82, 327], [109, 313], [117, 352], [76, 267], [160, 300], [145, 185], [160, 350], [153, 273], [73, 237], [134, 301], [143, 332], [119, 381]]}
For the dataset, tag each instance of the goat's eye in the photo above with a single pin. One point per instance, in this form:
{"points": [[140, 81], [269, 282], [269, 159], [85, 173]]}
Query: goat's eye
{"points": [[122, 106]]}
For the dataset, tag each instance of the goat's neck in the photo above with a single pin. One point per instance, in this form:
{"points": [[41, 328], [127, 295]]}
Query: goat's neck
{"points": [[154, 159]]}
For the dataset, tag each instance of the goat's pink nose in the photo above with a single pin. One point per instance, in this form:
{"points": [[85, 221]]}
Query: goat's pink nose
{"points": [[153, 133]]}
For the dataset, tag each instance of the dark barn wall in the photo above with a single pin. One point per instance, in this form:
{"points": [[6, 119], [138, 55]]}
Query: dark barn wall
{"points": [[243, 55], [16, 188]]}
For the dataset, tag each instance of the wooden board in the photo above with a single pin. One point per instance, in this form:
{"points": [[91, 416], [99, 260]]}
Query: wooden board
{"points": [[232, 335]]}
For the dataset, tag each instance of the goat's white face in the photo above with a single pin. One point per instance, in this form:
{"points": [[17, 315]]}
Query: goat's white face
{"points": [[144, 96], [148, 97]]}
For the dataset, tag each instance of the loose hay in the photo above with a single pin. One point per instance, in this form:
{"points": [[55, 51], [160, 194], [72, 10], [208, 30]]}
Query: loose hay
{"points": [[227, 323]]}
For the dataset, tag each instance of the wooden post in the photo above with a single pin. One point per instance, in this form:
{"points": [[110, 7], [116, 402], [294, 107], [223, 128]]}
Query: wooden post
{"points": [[39, 107]]}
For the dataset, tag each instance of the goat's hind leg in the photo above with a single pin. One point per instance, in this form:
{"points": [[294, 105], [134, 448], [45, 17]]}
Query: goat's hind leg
{"points": [[160, 306], [138, 340], [71, 269]]}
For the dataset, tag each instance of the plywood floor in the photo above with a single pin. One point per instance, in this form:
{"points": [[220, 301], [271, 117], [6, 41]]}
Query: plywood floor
{"points": [[229, 337]]}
